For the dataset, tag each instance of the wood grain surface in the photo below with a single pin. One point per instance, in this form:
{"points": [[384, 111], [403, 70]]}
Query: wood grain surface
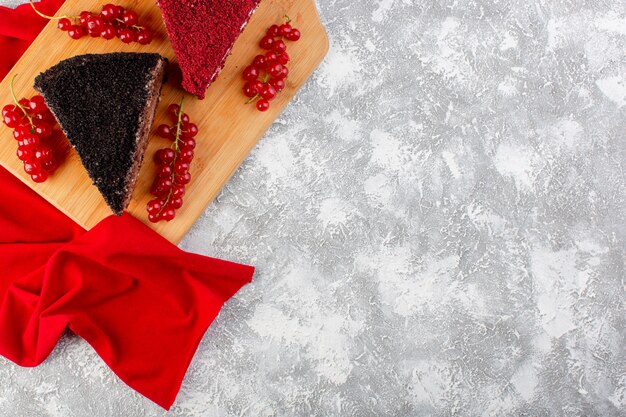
{"points": [[228, 128]]}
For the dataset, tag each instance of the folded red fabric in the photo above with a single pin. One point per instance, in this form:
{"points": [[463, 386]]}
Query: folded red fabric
{"points": [[139, 301]]}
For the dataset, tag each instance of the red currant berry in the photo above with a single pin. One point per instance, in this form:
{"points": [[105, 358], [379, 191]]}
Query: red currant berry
{"points": [[39, 177], [181, 168], [165, 171], [37, 105], [108, 32], [49, 166], [32, 167], [275, 70], [176, 203], [271, 57], [184, 118], [64, 24], [183, 179], [126, 35], [24, 103], [144, 37], [166, 156], [46, 116], [130, 18], [76, 32], [43, 130], [173, 110], [259, 61], [8, 109], [154, 218], [12, 120], [164, 131], [43, 154], [268, 92], [21, 131], [267, 42], [164, 183], [263, 105], [24, 154], [30, 141], [120, 11], [278, 84], [249, 90], [109, 12], [283, 58], [83, 18], [273, 31], [94, 26], [285, 29], [189, 129], [251, 73], [155, 206], [178, 190], [157, 192], [189, 143], [186, 155], [294, 36], [280, 46], [168, 214], [284, 73]]}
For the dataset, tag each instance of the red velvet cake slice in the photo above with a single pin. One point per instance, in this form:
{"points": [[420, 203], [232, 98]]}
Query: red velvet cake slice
{"points": [[203, 33]]}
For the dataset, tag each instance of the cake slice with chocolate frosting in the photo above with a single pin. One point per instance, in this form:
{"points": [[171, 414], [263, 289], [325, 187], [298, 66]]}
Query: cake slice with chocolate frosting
{"points": [[105, 104], [203, 33]]}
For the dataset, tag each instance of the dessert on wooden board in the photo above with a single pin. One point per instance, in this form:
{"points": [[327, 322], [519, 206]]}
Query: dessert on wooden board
{"points": [[202, 33], [229, 129], [105, 104]]}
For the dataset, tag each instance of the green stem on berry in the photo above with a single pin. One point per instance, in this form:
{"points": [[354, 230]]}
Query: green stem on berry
{"points": [[49, 17], [253, 99], [17, 103], [287, 18]]}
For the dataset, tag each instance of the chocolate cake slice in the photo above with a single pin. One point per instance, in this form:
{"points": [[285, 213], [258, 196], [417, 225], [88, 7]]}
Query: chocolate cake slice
{"points": [[105, 104], [203, 33]]}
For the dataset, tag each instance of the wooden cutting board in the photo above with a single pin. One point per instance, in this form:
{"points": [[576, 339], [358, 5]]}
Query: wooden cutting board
{"points": [[228, 128]]}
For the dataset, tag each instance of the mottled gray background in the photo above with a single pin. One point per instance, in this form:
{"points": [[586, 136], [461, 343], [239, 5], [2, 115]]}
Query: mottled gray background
{"points": [[438, 222]]}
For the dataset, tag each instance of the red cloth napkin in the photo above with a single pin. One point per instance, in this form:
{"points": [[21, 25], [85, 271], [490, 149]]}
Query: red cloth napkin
{"points": [[139, 301]]}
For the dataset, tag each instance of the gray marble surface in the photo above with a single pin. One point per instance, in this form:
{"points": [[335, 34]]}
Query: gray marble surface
{"points": [[439, 225]]}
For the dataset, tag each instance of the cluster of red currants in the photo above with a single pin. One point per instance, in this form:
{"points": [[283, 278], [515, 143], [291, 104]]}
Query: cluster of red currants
{"points": [[266, 76], [173, 165], [111, 22], [32, 124]]}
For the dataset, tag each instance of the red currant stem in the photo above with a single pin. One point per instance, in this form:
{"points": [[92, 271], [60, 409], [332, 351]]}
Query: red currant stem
{"points": [[132, 27], [17, 103], [253, 99], [287, 18], [176, 152], [178, 126], [49, 17]]}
